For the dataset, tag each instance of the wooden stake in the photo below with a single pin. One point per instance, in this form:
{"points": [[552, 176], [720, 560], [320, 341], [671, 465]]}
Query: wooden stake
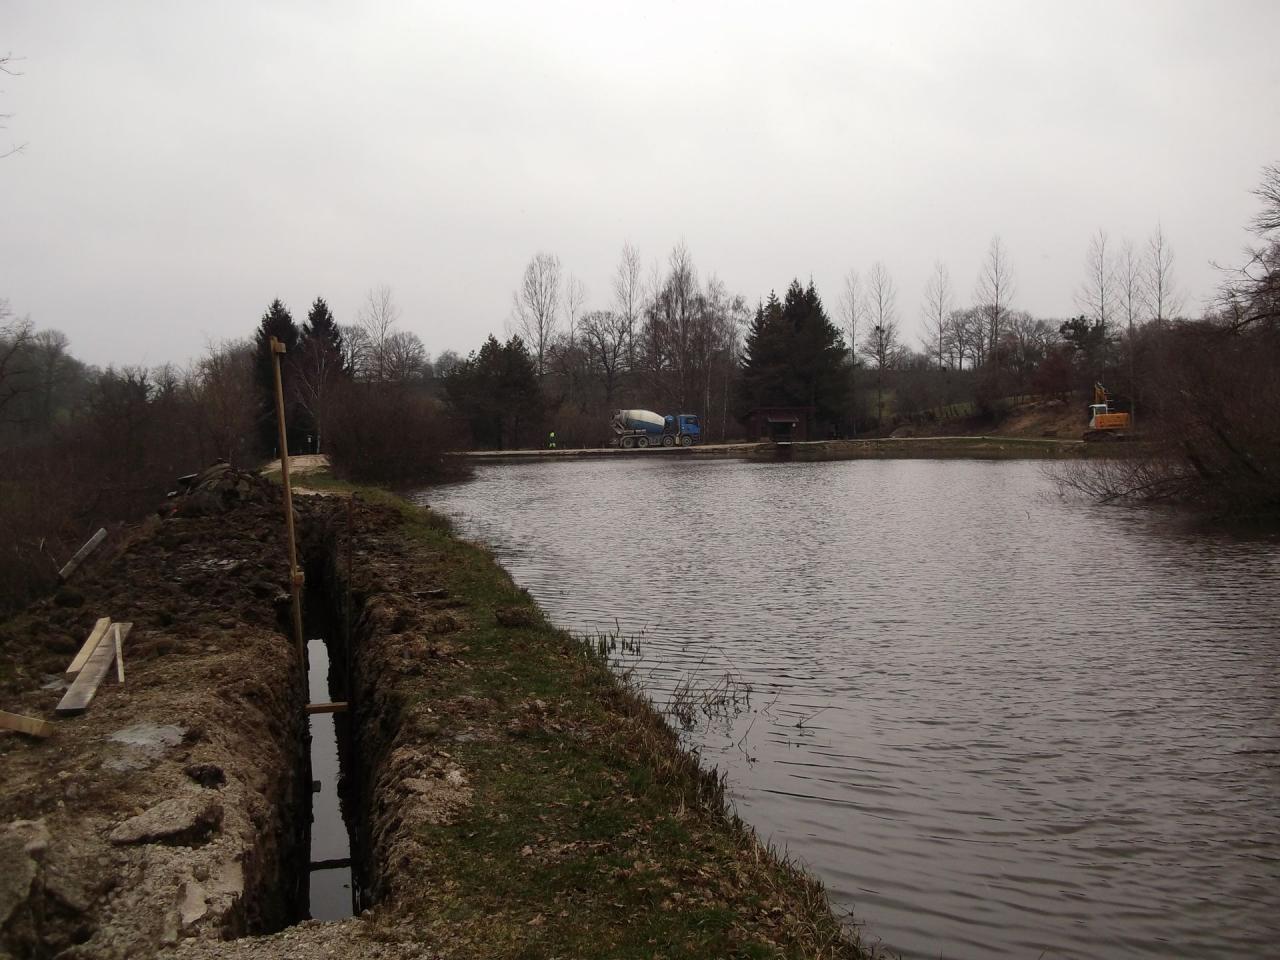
{"points": [[295, 575], [90, 545], [28, 725], [115, 629], [339, 706], [98, 632]]}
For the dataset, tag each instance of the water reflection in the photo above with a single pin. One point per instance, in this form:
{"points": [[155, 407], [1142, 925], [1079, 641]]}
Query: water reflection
{"points": [[996, 724]]}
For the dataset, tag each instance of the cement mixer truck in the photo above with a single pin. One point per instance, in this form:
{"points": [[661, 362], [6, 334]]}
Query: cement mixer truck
{"points": [[644, 428]]}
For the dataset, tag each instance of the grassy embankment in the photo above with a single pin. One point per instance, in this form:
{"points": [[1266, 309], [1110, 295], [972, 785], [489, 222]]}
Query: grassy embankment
{"points": [[590, 832], [940, 448]]}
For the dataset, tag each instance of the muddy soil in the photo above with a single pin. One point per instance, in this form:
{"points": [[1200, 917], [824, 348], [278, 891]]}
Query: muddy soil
{"points": [[514, 799], [164, 811]]}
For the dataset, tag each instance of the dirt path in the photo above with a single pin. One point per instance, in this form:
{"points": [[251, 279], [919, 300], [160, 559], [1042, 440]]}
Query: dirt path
{"points": [[299, 467]]}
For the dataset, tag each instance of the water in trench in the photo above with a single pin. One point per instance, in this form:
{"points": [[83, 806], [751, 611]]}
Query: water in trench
{"points": [[333, 893], [996, 724]]}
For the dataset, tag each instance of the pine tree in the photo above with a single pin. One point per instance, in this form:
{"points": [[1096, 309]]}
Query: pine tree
{"points": [[276, 322], [317, 370], [497, 391], [795, 356], [764, 359], [320, 327]]}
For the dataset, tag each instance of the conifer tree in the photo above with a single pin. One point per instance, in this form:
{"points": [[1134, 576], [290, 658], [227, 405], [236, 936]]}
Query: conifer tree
{"points": [[498, 392], [794, 356], [276, 322], [318, 368]]}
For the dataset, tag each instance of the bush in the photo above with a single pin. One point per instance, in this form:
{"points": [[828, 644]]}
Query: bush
{"points": [[394, 435]]}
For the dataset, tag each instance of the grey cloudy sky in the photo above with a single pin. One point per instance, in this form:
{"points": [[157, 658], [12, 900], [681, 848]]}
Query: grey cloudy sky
{"points": [[187, 162]]}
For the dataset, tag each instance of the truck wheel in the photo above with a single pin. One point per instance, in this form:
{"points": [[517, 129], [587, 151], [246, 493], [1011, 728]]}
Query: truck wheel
{"points": [[642, 442], [627, 442], [668, 441], [686, 441]]}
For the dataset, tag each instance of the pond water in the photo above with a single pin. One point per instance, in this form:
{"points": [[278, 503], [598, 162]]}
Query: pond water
{"points": [[995, 723]]}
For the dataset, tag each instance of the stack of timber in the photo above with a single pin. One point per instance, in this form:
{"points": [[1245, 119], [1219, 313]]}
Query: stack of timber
{"points": [[92, 663]]}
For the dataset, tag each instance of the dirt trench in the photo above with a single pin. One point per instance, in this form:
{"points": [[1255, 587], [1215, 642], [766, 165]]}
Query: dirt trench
{"points": [[171, 809], [509, 797]]}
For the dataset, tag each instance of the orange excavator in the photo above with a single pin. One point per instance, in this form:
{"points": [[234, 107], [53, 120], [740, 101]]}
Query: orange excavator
{"points": [[1105, 424]]}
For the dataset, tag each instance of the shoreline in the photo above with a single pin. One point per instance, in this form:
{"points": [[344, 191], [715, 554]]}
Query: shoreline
{"points": [[512, 797], [888, 448]]}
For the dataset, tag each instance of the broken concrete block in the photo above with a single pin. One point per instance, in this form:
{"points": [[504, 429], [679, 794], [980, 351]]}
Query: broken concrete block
{"points": [[181, 820]]}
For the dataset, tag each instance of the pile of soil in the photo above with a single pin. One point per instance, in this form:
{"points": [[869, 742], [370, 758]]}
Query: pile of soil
{"points": [[514, 798], [1037, 419], [162, 812]]}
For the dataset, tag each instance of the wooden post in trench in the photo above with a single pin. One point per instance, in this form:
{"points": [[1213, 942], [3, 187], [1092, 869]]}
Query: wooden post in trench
{"points": [[295, 575]]}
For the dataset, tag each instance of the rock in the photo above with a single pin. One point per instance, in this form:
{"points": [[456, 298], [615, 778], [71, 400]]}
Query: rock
{"points": [[206, 774], [181, 820], [193, 905], [19, 840]]}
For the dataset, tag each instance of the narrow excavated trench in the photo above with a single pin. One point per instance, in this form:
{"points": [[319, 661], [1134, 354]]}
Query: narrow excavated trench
{"points": [[332, 885]]}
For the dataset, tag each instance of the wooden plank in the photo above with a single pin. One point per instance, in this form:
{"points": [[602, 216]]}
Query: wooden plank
{"points": [[90, 545], [99, 630], [339, 706], [28, 725], [119, 639], [81, 691]]}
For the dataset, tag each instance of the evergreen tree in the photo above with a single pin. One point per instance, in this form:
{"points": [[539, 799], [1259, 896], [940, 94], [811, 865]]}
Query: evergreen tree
{"points": [[795, 356], [321, 328], [276, 322], [497, 391], [317, 369], [764, 359]]}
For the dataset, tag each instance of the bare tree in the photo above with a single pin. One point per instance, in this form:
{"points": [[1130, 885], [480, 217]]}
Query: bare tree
{"points": [[853, 310], [1097, 295], [1026, 343], [572, 361], [536, 304], [881, 346], [50, 361], [675, 333], [994, 293], [226, 397], [575, 296], [1268, 218], [628, 297], [15, 336], [606, 336], [377, 319], [446, 362], [317, 369], [406, 357], [853, 307], [938, 304], [965, 336], [356, 352], [1163, 301], [1131, 296], [6, 67]]}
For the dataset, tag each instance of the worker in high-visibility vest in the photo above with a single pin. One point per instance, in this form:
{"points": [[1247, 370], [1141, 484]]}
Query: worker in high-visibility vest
{"points": [[551, 440]]}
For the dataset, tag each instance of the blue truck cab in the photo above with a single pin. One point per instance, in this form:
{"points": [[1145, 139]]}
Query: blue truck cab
{"points": [[681, 428]]}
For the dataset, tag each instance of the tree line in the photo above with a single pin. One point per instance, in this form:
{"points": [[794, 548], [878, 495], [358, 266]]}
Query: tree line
{"points": [[85, 443]]}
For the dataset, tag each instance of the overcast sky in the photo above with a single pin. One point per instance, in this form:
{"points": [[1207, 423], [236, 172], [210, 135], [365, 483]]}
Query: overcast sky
{"points": [[185, 163]]}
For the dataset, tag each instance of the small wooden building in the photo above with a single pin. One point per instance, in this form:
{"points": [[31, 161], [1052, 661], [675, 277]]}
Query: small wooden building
{"points": [[780, 424]]}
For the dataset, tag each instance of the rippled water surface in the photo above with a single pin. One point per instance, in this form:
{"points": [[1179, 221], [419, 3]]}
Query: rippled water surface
{"points": [[996, 724]]}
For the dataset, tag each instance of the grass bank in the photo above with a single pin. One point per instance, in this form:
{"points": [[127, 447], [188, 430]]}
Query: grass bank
{"points": [[550, 810], [930, 448]]}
